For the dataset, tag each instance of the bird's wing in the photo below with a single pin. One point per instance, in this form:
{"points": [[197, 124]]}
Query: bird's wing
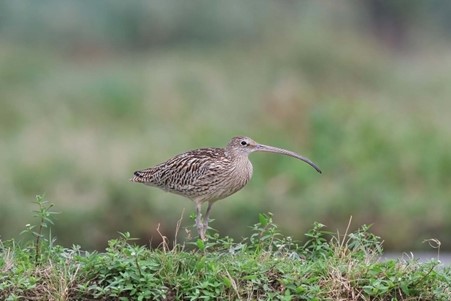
{"points": [[188, 174]]}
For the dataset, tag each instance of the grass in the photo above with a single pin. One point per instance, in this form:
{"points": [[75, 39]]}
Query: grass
{"points": [[265, 265]]}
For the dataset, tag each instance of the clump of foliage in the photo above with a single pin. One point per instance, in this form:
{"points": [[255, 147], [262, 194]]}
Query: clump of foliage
{"points": [[267, 265]]}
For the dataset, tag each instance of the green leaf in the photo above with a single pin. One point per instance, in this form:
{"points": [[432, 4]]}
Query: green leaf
{"points": [[200, 244], [263, 219]]}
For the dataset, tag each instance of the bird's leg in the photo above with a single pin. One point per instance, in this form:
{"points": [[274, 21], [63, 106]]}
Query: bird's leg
{"points": [[199, 224], [207, 214]]}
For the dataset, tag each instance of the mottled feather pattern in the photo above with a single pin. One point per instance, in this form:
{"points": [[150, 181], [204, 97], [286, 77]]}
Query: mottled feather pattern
{"points": [[201, 174]]}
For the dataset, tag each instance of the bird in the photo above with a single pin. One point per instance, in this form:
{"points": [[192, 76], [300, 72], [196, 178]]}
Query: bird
{"points": [[207, 175]]}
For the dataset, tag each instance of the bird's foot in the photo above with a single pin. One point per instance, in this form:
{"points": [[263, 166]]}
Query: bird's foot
{"points": [[203, 232], [202, 236], [201, 229], [202, 225]]}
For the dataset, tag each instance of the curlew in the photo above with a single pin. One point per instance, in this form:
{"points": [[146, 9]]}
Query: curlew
{"points": [[207, 175]]}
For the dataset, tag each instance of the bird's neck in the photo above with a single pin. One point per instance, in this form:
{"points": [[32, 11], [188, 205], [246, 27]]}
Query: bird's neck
{"points": [[243, 168]]}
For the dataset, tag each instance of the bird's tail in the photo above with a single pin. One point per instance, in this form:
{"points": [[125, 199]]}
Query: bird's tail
{"points": [[138, 177]]}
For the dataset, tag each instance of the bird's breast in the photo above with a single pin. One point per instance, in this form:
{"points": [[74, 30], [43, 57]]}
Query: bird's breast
{"points": [[233, 179], [242, 172]]}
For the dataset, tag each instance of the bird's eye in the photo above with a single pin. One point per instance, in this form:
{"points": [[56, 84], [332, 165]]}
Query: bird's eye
{"points": [[243, 142]]}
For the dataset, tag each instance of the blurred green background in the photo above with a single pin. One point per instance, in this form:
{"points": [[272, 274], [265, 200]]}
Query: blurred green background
{"points": [[92, 91]]}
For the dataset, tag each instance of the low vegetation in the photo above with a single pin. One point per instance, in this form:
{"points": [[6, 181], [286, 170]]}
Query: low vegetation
{"points": [[266, 265]]}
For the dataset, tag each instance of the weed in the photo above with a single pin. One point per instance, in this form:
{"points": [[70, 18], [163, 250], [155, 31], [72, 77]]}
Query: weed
{"points": [[44, 216]]}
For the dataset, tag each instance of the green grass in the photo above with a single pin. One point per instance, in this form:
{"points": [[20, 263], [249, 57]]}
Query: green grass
{"points": [[266, 266]]}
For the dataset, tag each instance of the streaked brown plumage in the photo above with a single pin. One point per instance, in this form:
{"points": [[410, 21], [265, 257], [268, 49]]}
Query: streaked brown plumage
{"points": [[209, 174]]}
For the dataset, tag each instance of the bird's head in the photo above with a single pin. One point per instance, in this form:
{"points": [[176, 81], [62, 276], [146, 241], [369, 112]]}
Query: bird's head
{"points": [[245, 145]]}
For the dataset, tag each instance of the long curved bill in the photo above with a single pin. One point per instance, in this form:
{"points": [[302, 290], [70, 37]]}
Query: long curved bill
{"points": [[276, 150]]}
